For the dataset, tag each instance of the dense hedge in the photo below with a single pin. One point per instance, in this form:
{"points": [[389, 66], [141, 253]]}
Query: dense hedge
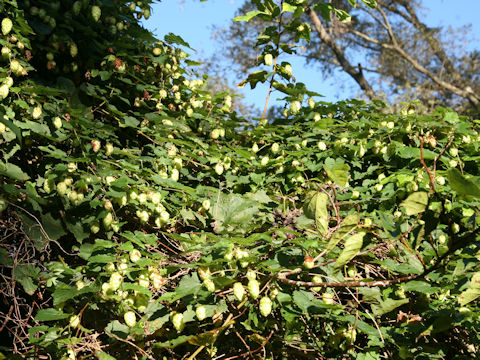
{"points": [[142, 218]]}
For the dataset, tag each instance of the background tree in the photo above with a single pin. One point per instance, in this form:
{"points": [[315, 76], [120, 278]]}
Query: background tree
{"points": [[389, 52]]}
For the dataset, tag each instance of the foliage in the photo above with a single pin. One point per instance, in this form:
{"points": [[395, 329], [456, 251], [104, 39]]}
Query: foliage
{"points": [[142, 218]]}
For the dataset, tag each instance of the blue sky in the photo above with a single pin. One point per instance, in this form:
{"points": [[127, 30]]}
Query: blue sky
{"points": [[193, 21]]}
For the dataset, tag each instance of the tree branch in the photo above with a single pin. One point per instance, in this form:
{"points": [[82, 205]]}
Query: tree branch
{"points": [[469, 95], [340, 55]]}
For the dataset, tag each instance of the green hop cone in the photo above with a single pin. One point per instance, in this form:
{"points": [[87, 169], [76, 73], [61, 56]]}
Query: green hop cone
{"points": [[6, 26], [265, 306], [73, 50], [74, 321], [4, 90], [130, 318], [254, 288], [177, 321], [209, 284], [96, 12], [239, 291], [146, 13], [77, 7], [201, 312], [3, 204]]}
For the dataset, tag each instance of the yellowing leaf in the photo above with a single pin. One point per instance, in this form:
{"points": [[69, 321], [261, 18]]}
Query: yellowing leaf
{"points": [[316, 208]]}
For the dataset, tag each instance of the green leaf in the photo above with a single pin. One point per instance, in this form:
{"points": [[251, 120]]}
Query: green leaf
{"points": [[172, 343], [117, 328], [255, 77], [175, 39], [42, 233], [137, 288], [371, 355], [12, 127], [370, 3], [129, 121], [233, 213], [189, 285], [352, 246], [349, 224], [13, 171], [5, 258], [25, 275], [249, 16], [306, 301], [104, 356], [415, 203], [321, 213], [62, 294], [461, 185], [50, 314], [337, 171], [388, 305], [102, 258], [342, 15], [288, 7], [473, 291]]}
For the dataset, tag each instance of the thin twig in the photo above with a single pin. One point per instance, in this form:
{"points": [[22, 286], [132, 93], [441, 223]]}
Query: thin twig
{"points": [[140, 350], [376, 325]]}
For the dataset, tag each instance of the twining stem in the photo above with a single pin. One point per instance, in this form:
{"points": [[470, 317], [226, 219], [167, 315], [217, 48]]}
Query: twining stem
{"points": [[277, 50]]}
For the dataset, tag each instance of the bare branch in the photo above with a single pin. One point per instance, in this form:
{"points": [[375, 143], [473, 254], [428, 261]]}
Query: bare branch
{"points": [[340, 55], [469, 95]]}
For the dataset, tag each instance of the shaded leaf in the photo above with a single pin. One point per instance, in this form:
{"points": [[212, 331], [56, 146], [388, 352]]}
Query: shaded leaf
{"points": [[26, 275], [388, 305], [461, 185], [50, 314]]}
